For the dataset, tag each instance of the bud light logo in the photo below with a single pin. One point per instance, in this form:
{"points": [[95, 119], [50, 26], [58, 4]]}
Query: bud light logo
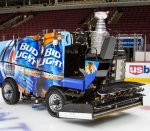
{"points": [[56, 55], [28, 53], [138, 69]]}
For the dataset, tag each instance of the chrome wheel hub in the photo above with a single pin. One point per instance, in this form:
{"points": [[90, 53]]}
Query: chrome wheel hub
{"points": [[55, 102], [8, 92]]}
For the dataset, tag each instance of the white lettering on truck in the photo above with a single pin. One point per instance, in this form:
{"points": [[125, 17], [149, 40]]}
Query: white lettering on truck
{"points": [[27, 55], [52, 61]]}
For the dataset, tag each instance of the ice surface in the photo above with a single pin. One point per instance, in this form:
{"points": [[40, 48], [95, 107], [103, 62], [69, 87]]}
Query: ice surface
{"points": [[21, 117]]}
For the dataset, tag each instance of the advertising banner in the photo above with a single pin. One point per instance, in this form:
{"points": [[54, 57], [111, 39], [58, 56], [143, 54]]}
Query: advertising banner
{"points": [[139, 72], [34, 64], [129, 41]]}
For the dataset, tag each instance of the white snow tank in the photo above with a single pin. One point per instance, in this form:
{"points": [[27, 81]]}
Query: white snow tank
{"points": [[100, 33]]}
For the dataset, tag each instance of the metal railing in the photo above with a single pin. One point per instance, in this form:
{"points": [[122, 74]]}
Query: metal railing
{"points": [[141, 49]]}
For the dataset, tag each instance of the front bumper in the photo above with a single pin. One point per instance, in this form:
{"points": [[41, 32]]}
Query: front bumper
{"points": [[87, 111]]}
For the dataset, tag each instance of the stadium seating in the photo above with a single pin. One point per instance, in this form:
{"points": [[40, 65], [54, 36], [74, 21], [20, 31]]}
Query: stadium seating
{"points": [[6, 17], [135, 19], [59, 19]]}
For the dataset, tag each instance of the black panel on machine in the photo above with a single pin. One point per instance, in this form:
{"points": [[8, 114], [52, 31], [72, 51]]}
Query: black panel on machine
{"points": [[74, 59], [108, 48]]}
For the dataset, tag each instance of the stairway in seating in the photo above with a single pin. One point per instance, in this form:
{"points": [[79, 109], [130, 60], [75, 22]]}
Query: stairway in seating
{"points": [[135, 19], [116, 18], [91, 20], [23, 21]]}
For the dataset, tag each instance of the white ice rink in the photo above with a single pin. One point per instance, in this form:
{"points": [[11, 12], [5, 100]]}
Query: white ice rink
{"points": [[21, 117]]}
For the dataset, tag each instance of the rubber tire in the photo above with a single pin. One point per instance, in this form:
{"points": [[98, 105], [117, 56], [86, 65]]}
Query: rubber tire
{"points": [[15, 92], [63, 98]]}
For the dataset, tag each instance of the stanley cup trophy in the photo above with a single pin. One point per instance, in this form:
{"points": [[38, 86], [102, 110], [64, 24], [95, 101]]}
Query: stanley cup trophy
{"points": [[98, 36]]}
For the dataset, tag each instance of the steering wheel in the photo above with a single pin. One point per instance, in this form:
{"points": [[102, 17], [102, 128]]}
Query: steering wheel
{"points": [[80, 36]]}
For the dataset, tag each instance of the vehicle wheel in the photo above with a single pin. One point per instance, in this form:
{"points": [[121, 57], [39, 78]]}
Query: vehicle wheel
{"points": [[54, 102], [10, 92]]}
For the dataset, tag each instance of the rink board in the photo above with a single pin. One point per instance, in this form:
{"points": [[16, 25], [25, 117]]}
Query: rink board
{"points": [[138, 72]]}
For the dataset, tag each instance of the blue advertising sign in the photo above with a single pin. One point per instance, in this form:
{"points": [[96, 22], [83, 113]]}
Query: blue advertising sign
{"points": [[129, 42]]}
